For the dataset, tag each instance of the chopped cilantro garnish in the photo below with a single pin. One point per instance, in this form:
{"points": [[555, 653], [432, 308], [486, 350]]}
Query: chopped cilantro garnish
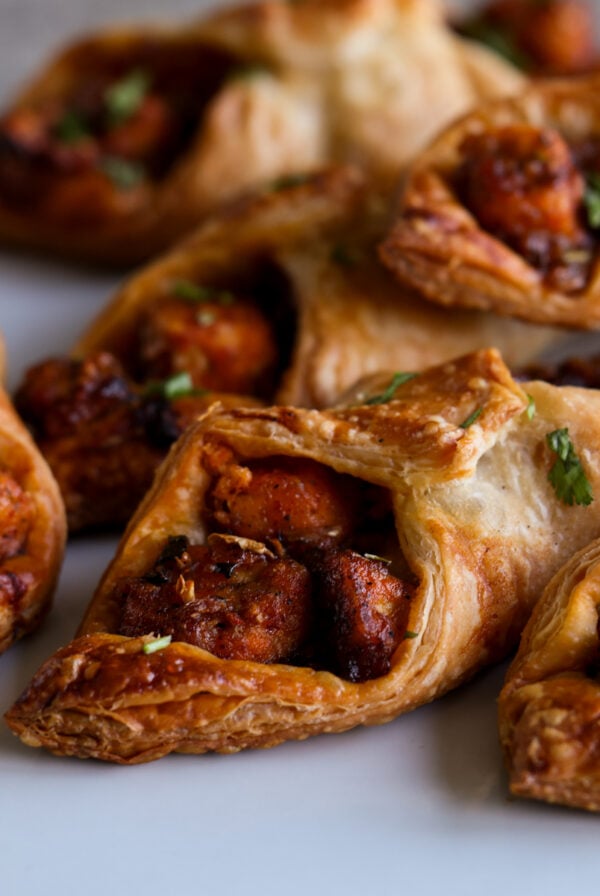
{"points": [[194, 292], [287, 181], [247, 70], [408, 634], [123, 98], [498, 39], [567, 476], [377, 557], [71, 128], [156, 645], [397, 380], [530, 409], [344, 256], [177, 386], [124, 174], [471, 418], [591, 199]]}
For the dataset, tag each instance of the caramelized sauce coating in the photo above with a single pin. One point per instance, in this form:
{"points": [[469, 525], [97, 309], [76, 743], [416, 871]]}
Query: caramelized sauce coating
{"points": [[102, 438], [522, 185], [235, 602], [584, 372], [365, 611], [224, 342], [548, 37], [285, 499], [16, 517]]}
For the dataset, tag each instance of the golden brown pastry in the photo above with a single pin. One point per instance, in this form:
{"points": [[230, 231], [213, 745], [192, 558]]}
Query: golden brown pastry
{"points": [[32, 529], [425, 519], [130, 137], [549, 707], [281, 298], [307, 254], [502, 211]]}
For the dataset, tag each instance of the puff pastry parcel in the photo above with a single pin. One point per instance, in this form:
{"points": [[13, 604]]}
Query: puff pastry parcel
{"points": [[549, 708], [502, 211], [32, 529], [280, 299], [130, 137], [429, 526]]}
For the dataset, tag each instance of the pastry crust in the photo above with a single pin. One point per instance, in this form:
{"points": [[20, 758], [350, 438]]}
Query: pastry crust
{"points": [[302, 85], [351, 317], [436, 246], [33, 571], [476, 521], [549, 709]]}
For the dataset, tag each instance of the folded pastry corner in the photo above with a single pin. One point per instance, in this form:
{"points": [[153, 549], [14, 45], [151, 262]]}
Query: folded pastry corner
{"points": [[501, 211], [131, 136], [549, 708], [293, 572], [32, 529]]}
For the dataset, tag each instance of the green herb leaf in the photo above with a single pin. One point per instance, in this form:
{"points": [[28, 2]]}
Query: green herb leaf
{"points": [[123, 98], [177, 386], [287, 181], [195, 293], [71, 128], [567, 476], [156, 645], [397, 380], [345, 257], [377, 557], [408, 634], [531, 408], [471, 418], [248, 70], [591, 199], [124, 174], [498, 39]]}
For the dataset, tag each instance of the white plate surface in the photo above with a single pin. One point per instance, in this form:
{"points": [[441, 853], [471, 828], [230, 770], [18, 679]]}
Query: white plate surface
{"points": [[417, 806]]}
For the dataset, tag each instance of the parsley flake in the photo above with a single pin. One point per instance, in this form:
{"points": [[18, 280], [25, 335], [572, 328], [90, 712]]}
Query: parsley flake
{"points": [[287, 181], [591, 199], [195, 292], [124, 174], [531, 408], [177, 386], [156, 645], [567, 476], [471, 418], [397, 380], [71, 128], [123, 98], [408, 635]]}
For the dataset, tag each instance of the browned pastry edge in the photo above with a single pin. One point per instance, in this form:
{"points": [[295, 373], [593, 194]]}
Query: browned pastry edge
{"points": [[549, 708], [478, 570], [41, 559], [438, 248]]}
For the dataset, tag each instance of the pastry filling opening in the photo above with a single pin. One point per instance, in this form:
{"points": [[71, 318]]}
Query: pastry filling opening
{"points": [[86, 153], [302, 565], [540, 195], [104, 424]]}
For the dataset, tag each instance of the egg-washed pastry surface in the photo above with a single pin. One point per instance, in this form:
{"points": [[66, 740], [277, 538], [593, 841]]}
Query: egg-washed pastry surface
{"points": [[131, 136], [32, 529], [280, 299], [549, 708], [293, 572], [503, 210]]}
